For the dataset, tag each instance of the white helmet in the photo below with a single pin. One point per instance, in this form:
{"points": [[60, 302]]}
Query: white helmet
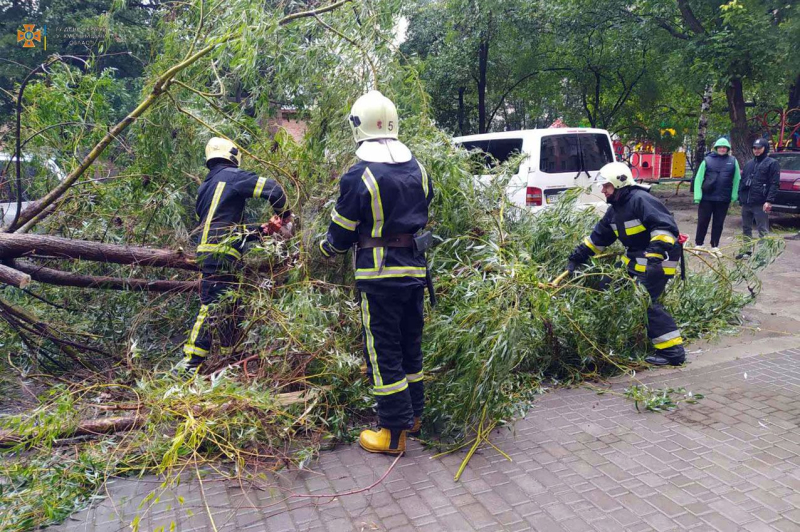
{"points": [[219, 148], [374, 116], [618, 174]]}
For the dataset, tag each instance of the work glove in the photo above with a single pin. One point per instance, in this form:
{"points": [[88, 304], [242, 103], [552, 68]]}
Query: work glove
{"points": [[572, 266], [273, 226], [326, 249]]}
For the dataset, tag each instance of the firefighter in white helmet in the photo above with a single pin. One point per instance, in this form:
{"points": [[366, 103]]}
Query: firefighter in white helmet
{"points": [[650, 235], [220, 210], [382, 209]]}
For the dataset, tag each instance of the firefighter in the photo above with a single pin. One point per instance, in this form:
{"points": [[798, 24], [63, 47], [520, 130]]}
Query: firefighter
{"points": [[650, 235], [382, 209], [220, 209]]}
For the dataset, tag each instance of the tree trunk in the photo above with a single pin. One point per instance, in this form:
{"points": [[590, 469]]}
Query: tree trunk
{"points": [[88, 427], [461, 117], [61, 278], [16, 245], [794, 94], [14, 277], [702, 127], [483, 65], [741, 139]]}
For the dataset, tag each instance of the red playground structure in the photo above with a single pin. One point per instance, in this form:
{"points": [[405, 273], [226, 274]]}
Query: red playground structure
{"points": [[649, 164]]}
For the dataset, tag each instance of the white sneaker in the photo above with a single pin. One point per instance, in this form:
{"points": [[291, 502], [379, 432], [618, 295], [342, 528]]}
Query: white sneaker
{"points": [[701, 247], [716, 252]]}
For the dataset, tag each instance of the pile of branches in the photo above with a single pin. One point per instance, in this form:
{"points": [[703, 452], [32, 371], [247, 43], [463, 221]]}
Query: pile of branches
{"points": [[100, 359], [500, 333]]}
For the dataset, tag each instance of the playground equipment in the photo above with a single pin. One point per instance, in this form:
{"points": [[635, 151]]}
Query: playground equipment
{"points": [[649, 164], [785, 123]]}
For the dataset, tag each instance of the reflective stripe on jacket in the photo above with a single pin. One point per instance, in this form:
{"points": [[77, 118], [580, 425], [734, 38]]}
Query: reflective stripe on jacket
{"points": [[644, 226], [220, 207], [378, 200]]}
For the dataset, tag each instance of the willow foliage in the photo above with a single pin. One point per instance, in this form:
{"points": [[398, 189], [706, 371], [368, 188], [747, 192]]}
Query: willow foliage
{"points": [[499, 333]]}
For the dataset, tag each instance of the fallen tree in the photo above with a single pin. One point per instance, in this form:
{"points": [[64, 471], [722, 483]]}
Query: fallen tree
{"points": [[31, 245], [52, 276], [501, 330]]}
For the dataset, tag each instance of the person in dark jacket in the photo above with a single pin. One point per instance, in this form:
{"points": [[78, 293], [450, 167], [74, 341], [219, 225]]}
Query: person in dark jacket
{"points": [[759, 185], [650, 235], [220, 209], [716, 185], [382, 208]]}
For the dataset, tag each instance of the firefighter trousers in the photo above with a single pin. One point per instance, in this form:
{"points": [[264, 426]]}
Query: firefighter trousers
{"points": [[392, 325], [661, 327], [662, 330], [219, 310]]}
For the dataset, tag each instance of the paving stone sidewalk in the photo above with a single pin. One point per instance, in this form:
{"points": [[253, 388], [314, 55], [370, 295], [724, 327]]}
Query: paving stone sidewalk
{"points": [[581, 462]]}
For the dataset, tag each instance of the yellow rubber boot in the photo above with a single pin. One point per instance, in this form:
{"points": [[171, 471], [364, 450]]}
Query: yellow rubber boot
{"points": [[383, 441], [415, 430]]}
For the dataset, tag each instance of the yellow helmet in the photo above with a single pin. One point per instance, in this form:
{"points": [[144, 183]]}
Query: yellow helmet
{"points": [[618, 174], [374, 116], [219, 148]]}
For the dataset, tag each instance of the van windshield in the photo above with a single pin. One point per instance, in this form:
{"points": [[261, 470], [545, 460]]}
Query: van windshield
{"points": [[574, 152], [496, 150]]}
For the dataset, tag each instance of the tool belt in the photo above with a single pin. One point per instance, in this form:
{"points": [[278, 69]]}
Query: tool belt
{"points": [[419, 243], [402, 240]]}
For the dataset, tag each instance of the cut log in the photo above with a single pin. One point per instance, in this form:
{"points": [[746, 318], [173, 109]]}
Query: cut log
{"points": [[17, 245], [62, 278], [89, 427], [108, 425], [14, 277]]}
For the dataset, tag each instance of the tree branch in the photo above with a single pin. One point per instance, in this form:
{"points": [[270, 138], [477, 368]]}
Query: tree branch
{"points": [[14, 245], [516, 84], [690, 18], [61, 278], [158, 89], [14, 277]]}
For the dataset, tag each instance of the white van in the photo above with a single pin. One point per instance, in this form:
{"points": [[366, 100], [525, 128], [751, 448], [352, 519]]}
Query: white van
{"points": [[37, 172], [557, 159]]}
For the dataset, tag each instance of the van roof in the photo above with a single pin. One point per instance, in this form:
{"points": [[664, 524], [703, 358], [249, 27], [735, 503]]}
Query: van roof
{"points": [[529, 133]]}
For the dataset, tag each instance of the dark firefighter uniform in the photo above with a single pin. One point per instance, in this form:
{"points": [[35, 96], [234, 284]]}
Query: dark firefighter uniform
{"points": [[650, 235], [220, 209], [380, 207]]}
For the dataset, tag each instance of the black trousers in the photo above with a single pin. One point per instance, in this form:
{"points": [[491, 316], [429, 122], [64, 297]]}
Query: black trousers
{"points": [[662, 330], [754, 213], [216, 318], [706, 211], [661, 327], [392, 326]]}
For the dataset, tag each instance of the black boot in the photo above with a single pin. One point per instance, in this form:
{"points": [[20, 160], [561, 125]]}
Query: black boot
{"points": [[189, 368], [658, 360]]}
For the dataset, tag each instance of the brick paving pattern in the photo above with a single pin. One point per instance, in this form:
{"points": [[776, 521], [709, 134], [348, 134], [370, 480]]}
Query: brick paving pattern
{"points": [[581, 462]]}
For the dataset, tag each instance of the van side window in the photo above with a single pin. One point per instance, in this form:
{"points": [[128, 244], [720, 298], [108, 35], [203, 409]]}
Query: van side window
{"points": [[559, 154], [574, 152], [497, 150], [595, 150]]}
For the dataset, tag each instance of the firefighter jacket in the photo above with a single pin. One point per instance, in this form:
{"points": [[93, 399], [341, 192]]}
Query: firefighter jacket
{"points": [[220, 207], [644, 226], [380, 200]]}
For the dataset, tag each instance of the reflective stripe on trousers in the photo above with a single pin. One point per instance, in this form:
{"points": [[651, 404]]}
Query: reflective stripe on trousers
{"points": [[393, 348]]}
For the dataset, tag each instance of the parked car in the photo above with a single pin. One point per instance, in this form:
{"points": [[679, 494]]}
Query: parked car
{"points": [[39, 174], [556, 160], [788, 198]]}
